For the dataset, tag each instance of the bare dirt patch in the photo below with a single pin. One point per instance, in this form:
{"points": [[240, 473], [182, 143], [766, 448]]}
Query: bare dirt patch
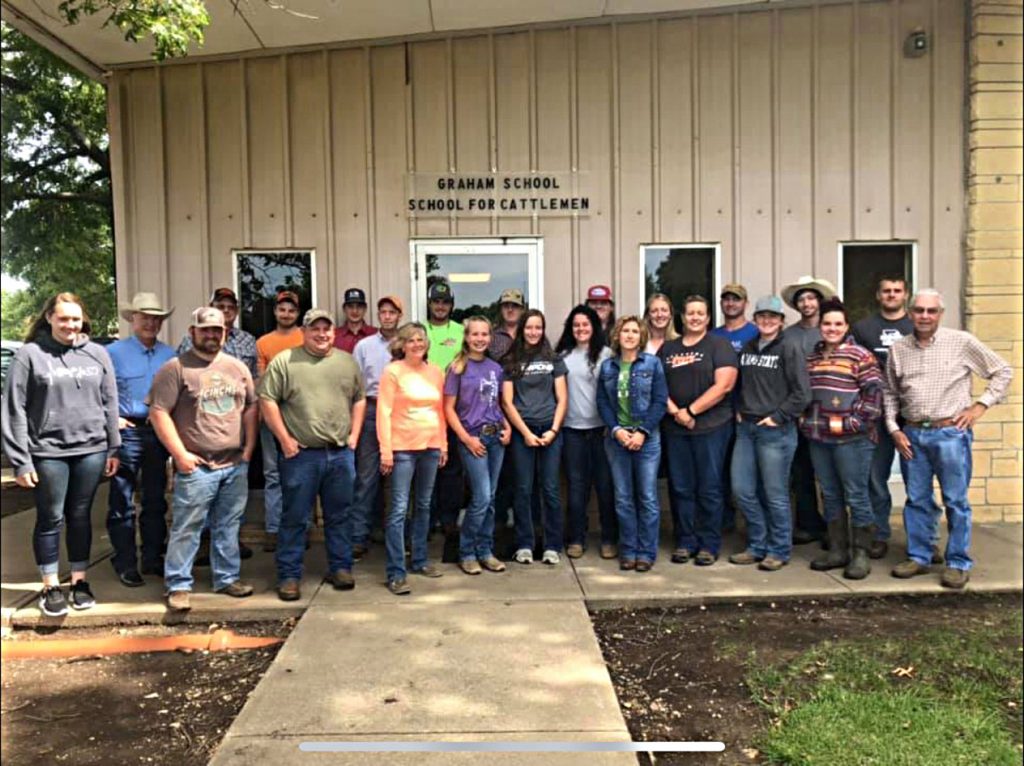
{"points": [[159, 708], [680, 672]]}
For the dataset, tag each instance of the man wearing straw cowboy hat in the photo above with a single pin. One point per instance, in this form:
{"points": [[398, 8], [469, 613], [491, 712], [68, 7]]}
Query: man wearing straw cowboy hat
{"points": [[805, 295], [136, 360]]}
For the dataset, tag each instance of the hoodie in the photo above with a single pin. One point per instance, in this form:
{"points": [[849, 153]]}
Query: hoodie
{"points": [[60, 401], [773, 381]]}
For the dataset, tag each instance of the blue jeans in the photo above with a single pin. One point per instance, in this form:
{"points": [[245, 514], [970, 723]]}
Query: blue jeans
{"points": [[217, 495], [943, 453], [364, 500], [843, 471], [541, 462], [64, 494], [696, 462], [141, 453], [805, 494], [635, 475], [586, 466], [328, 473], [476, 540], [761, 461], [420, 465], [272, 481]]}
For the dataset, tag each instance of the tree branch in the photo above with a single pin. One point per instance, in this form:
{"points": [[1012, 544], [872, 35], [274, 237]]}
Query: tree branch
{"points": [[93, 198]]}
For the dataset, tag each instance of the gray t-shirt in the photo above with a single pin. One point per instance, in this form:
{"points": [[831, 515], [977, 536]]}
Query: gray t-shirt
{"points": [[582, 382], [877, 334], [534, 390], [805, 338]]}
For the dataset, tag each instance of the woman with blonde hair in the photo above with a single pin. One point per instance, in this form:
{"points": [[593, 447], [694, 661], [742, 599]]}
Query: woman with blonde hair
{"points": [[631, 399], [472, 406], [659, 316], [60, 434], [413, 444]]}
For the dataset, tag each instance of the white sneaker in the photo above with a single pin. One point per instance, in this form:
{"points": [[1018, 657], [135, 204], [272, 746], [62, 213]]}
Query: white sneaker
{"points": [[524, 556], [551, 557]]}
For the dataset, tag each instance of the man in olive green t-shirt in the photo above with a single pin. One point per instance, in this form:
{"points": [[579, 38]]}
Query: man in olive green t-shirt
{"points": [[312, 400]]}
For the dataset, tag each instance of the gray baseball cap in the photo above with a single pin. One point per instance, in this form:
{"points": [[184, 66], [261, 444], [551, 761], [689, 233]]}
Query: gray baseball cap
{"points": [[769, 303], [314, 315]]}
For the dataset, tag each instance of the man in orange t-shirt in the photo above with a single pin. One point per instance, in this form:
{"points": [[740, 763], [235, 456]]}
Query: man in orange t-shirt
{"points": [[285, 336]]}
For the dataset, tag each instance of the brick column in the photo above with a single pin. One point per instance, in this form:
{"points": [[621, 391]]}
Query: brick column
{"points": [[993, 302]]}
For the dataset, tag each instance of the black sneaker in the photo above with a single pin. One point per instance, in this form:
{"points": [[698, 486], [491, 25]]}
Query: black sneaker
{"points": [[81, 596], [52, 602], [130, 578]]}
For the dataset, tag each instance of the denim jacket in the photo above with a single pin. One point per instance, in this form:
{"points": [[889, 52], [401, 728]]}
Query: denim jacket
{"points": [[648, 392]]}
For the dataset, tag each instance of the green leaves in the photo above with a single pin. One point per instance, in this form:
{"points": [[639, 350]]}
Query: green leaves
{"points": [[173, 24]]}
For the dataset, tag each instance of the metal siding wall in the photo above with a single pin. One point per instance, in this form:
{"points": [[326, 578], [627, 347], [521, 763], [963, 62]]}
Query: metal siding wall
{"points": [[776, 133]]}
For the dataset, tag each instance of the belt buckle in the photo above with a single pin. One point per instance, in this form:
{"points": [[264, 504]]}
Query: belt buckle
{"points": [[489, 430], [926, 424]]}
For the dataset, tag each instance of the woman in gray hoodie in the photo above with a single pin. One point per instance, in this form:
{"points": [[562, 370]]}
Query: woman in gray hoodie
{"points": [[60, 433]]}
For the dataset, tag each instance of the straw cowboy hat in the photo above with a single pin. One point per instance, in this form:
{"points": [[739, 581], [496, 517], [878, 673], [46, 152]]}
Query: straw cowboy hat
{"points": [[145, 303], [822, 287]]}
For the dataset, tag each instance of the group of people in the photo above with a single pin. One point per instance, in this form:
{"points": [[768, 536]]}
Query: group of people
{"points": [[736, 415]]}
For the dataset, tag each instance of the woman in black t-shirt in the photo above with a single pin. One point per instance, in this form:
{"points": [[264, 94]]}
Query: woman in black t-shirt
{"points": [[701, 370]]}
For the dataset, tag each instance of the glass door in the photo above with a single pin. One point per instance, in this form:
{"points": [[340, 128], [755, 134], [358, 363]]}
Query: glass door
{"points": [[478, 270]]}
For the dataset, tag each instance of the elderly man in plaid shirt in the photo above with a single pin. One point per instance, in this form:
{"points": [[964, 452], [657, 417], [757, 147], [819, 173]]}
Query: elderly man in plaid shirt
{"points": [[928, 379]]}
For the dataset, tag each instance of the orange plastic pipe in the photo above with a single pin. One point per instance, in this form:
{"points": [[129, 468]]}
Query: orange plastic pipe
{"points": [[219, 640]]}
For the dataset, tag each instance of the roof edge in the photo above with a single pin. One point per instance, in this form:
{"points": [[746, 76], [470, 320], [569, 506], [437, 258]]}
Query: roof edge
{"points": [[32, 29]]}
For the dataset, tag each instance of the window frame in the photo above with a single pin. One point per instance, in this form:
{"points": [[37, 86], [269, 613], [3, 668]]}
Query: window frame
{"points": [[841, 253], [421, 247], [240, 251], [716, 270]]}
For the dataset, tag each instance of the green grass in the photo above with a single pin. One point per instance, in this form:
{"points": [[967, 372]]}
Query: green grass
{"points": [[945, 696]]}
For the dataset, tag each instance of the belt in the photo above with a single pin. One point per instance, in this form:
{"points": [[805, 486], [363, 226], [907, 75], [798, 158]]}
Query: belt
{"points": [[940, 423], [490, 429], [140, 422], [371, 399]]}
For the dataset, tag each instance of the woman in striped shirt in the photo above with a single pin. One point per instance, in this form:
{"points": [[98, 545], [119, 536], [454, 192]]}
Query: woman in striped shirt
{"points": [[840, 423]]}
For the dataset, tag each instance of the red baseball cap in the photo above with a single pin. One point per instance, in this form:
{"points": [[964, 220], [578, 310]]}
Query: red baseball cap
{"points": [[600, 293]]}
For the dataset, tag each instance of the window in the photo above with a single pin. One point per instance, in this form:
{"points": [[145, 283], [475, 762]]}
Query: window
{"points": [[261, 274], [478, 271], [863, 264], [679, 271]]}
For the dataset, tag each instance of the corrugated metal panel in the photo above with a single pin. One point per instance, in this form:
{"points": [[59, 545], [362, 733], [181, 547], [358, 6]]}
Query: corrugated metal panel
{"points": [[776, 133]]}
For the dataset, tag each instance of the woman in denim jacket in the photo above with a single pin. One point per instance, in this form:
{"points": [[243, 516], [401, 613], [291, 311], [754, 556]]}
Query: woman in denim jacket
{"points": [[631, 398]]}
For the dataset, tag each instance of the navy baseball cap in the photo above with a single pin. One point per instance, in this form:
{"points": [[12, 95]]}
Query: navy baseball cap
{"points": [[354, 295]]}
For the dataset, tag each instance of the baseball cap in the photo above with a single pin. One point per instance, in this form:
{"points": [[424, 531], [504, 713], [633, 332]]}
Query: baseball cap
{"points": [[511, 295], [440, 291], [394, 300], [224, 293], [769, 303], [354, 295], [314, 315], [600, 293], [736, 289], [207, 316], [287, 296]]}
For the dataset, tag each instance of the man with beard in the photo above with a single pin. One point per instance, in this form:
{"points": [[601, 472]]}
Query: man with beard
{"points": [[372, 355], [511, 306], [311, 398], [283, 337], [805, 295], [136, 361], [203, 409], [445, 336]]}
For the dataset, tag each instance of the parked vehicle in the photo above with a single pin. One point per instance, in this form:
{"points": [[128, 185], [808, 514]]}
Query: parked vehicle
{"points": [[6, 357]]}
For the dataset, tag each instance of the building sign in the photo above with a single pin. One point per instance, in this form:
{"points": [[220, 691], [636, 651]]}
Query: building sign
{"points": [[506, 195]]}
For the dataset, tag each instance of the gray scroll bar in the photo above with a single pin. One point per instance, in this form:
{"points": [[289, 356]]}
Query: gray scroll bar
{"points": [[511, 747]]}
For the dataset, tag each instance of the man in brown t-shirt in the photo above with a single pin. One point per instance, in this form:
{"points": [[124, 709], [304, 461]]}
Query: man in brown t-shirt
{"points": [[203, 409]]}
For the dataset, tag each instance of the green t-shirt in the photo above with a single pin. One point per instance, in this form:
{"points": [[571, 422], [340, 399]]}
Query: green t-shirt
{"points": [[625, 416], [315, 394], [445, 342]]}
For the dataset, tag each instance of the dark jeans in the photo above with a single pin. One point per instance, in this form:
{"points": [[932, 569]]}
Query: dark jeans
{"points": [[801, 479], [586, 466], [843, 471], [635, 475], [696, 463], [367, 501], [329, 473], [64, 494], [542, 463], [142, 457], [449, 487]]}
